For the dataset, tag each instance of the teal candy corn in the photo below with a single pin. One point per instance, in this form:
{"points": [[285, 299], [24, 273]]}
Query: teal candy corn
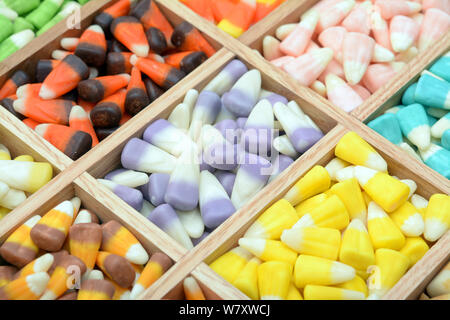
{"points": [[21, 24], [445, 140], [438, 129], [431, 120], [44, 13], [441, 67], [408, 95], [387, 125], [394, 110], [414, 124], [432, 92], [437, 158], [6, 28], [436, 112], [22, 6]]}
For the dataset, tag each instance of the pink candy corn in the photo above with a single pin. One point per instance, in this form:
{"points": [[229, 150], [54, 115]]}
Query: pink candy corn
{"points": [[332, 38], [435, 24], [380, 30], [357, 52], [271, 48], [333, 67], [390, 9], [358, 19], [341, 94], [297, 41], [404, 32], [280, 62], [443, 5], [361, 91], [378, 74], [333, 14]]}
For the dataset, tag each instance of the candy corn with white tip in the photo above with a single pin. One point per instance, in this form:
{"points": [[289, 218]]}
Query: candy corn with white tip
{"points": [[320, 242], [414, 249], [390, 9], [192, 222], [420, 203], [320, 271], [443, 124], [357, 52], [440, 284], [353, 149], [284, 146], [341, 94], [333, 13], [269, 250], [41, 264], [334, 166], [437, 217], [247, 279], [305, 206], [230, 264], [409, 220], [332, 38], [25, 176], [192, 290], [435, 24], [436, 158], [274, 278], [315, 292], [404, 32], [315, 181], [25, 288], [356, 284], [380, 30], [383, 232], [414, 123], [226, 78], [350, 194], [271, 223]]}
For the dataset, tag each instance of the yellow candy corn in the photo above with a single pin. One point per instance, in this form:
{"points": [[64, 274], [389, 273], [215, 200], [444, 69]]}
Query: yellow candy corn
{"points": [[269, 250], [350, 194], [314, 292], [4, 153], [414, 249], [420, 203], [305, 206], [25, 158], [230, 264], [321, 271], [25, 176], [388, 192], [363, 274], [334, 166], [319, 242], [345, 173], [437, 217], [383, 232], [274, 278], [317, 180], [356, 249], [247, 279], [355, 150], [356, 284], [230, 28], [367, 198], [329, 214], [390, 266], [41, 264], [271, 223], [408, 219], [440, 285], [25, 288], [293, 293]]}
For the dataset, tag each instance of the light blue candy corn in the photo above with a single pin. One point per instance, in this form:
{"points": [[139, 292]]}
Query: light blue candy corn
{"points": [[436, 112], [408, 95], [445, 140], [441, 126], [432, 92], [441, 67], [431, 120], [394, 109], [437, 158], [413, 121], [387, 125]]}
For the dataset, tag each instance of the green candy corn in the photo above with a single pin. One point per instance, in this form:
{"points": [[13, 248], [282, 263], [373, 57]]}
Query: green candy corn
{"points": [[22, 6], [67, 10], [15, 42], [44, 13], [6, 28], [21, 24]]}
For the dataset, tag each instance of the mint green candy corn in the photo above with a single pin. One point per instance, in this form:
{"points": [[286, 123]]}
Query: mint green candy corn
{"points": [[437, 158], [441, 67], [44, 13], [445, 140], [6, 28], [414, 123], [432, 92], [408, 96], [15, 42], [21, 24], [22, 6], [67, 10], [8, 13], [387, 125]]}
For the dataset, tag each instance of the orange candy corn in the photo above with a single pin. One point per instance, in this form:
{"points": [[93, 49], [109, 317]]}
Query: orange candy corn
{"points": [[25, 288], [186, 61], [237, 20], [130, 32], [91, 47], [118, 62], [94, 289], [108, 112], [186, 38], [192, 290], [44, 111], [86, 105], [79, 120], [30, 90], [162, 74], [357, 51], [390, 9], [264, 7], [201, 7], [118, 9], [84, 242], [44, 68], [64, 78], [19, 78], [435, 24], [73, 143], [136, 98], [94, 90]]}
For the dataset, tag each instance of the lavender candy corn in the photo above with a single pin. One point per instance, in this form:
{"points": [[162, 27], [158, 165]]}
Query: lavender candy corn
{"points": [[142, 156], [147, 208], [180, 116], [129, 178], [226, 179], [203, 164], [182, 190], [205, 112], [196, 241], [280, 163], [215, 204], [241, 99], [225, 80], [251, 177], [241, 122], [155, 190], [192, 222], [167, 137], [218, 152], [272, 97], [165, 217], [284, 146], [259, 129], [133, 197], [224, 114], [300, 131], [228, 129]]}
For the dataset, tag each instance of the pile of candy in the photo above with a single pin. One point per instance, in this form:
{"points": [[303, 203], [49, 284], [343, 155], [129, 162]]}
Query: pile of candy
{"points": [[22, 20], [20, 178], [214, 153], [84, 94], [363, 44], [68, 255], [333, 229], [439, 287], [233, 16], [421, 124]]}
